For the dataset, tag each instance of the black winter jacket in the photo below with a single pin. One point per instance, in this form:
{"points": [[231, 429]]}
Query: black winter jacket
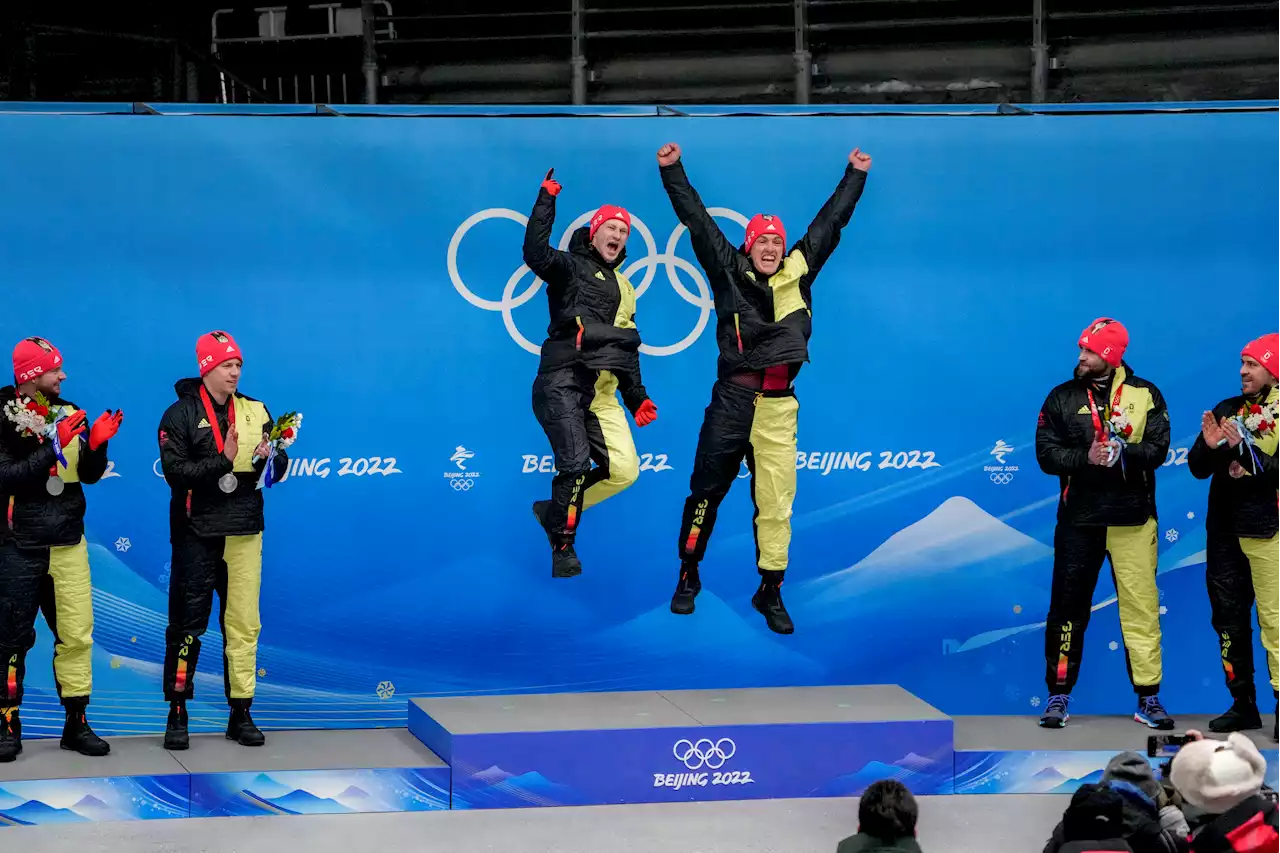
{"points": [[1250, 827], [192, 465], [1244, 507], [38, 519], [762, 323], [1096, 495], [592, 305]]}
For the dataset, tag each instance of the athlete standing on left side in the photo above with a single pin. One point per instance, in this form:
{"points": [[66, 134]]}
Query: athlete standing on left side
{"points": [[44, 559], [1104, 433], [592, 352]]}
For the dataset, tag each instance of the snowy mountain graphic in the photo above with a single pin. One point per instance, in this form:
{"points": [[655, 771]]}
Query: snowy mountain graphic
{"points": [[716, 645], [93, 808], [302, 802], [266, 787], [492, 775], [923, 571], [34, 811]]}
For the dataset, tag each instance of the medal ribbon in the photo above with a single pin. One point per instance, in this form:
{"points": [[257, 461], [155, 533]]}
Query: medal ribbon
{"points": [[1098, 421], [213, 417]]}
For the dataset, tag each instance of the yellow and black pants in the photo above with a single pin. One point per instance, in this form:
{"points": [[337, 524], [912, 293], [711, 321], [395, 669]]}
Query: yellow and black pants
{"points": [[232, 567], [579, 411], [759, 426], [1078, 554], [54, 581], [1238, 572]]}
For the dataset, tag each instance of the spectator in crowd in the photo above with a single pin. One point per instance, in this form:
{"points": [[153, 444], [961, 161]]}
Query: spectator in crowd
{"points": [[1148, 822], [1224, 780], [887, 816]]}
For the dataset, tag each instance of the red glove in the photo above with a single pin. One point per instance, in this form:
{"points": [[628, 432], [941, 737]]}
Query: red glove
{"points": [[104, 428], [646, 414], [550, 184], [69, 427]]}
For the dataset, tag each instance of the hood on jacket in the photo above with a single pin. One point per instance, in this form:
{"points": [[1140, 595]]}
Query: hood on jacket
{"points": [[1135, 769], [580, 244]]}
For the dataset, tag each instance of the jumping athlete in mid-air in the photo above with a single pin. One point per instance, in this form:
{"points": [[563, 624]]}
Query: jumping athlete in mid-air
{"points": [[591, 353], [763, 310]]}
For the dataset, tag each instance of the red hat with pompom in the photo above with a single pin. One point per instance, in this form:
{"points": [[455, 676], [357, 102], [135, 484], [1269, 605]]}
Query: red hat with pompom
{"points": [[604, 214], [761, 224], [215, 348], [1264, 351], [33, 357], [1108, 338]]}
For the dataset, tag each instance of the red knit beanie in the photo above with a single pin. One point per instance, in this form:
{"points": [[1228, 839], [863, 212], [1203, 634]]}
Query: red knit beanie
{"points": [[213, 349], [604, 214], [1106, 337], [1264, 351], [761, 224], [34, 356]]}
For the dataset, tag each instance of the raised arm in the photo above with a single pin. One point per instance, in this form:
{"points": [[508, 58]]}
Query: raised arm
{"points": [[824, 232], [712, 248], [546, 262], [1209, 455]]}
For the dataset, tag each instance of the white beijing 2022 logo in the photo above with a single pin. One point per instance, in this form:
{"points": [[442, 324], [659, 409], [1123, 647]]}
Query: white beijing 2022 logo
{"points": [[648, 264]]}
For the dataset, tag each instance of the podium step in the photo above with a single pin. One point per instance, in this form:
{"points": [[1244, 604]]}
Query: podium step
{"points": [[296, 772], [600, 748], [1013, 755]]}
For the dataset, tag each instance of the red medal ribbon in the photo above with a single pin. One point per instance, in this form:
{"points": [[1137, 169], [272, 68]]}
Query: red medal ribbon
{"points": [[213, 417], [1093, 409]]}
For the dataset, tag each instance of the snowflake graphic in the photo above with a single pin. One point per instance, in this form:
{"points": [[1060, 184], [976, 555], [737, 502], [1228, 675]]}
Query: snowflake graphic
{"points": [[386, 690], [262, 673], [165, 573], [1171, 535], [1191, 515], [1035, 701], [123, 544], [1113, 645]]}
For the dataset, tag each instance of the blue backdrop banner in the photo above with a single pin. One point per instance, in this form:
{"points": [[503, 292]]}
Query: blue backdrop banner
{"points": [[371, 271]]}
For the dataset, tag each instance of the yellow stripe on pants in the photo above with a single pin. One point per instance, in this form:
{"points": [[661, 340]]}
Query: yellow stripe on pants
{"points": [[1264, 566], [72, 619], [1133, 560], [624, 463], [241, 624], [773, 482]]}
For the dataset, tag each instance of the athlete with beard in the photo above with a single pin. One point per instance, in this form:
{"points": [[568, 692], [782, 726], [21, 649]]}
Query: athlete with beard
{"points": [[1103, 434], [44, 558], [1242, 561], [592, 352], [763, 309]]}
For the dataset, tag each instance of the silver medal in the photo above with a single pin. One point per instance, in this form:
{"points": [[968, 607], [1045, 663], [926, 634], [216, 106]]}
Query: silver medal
{"points": [[228, 483], [54, 486]]}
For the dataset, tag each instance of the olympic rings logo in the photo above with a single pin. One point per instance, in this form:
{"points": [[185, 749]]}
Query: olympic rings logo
{"points": [[704, 752], [648, 264], [1001, 478], [461, 484]]}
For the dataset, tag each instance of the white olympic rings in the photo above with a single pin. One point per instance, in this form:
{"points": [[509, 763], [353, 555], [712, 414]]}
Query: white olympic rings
{"points": [[704, 752], [648, 264], [461, 484], [1001, 478]]}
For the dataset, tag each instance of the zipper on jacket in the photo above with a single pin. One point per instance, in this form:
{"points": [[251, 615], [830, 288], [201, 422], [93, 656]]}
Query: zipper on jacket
{"points": [[577, 343], [737, 330]]}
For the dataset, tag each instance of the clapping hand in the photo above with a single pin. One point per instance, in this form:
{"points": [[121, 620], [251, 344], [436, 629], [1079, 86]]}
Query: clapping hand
{"points": [[1212, 431], [1231, 430]]}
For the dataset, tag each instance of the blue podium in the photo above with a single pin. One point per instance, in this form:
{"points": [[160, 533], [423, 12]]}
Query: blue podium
{"points": [[641, 747]]}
